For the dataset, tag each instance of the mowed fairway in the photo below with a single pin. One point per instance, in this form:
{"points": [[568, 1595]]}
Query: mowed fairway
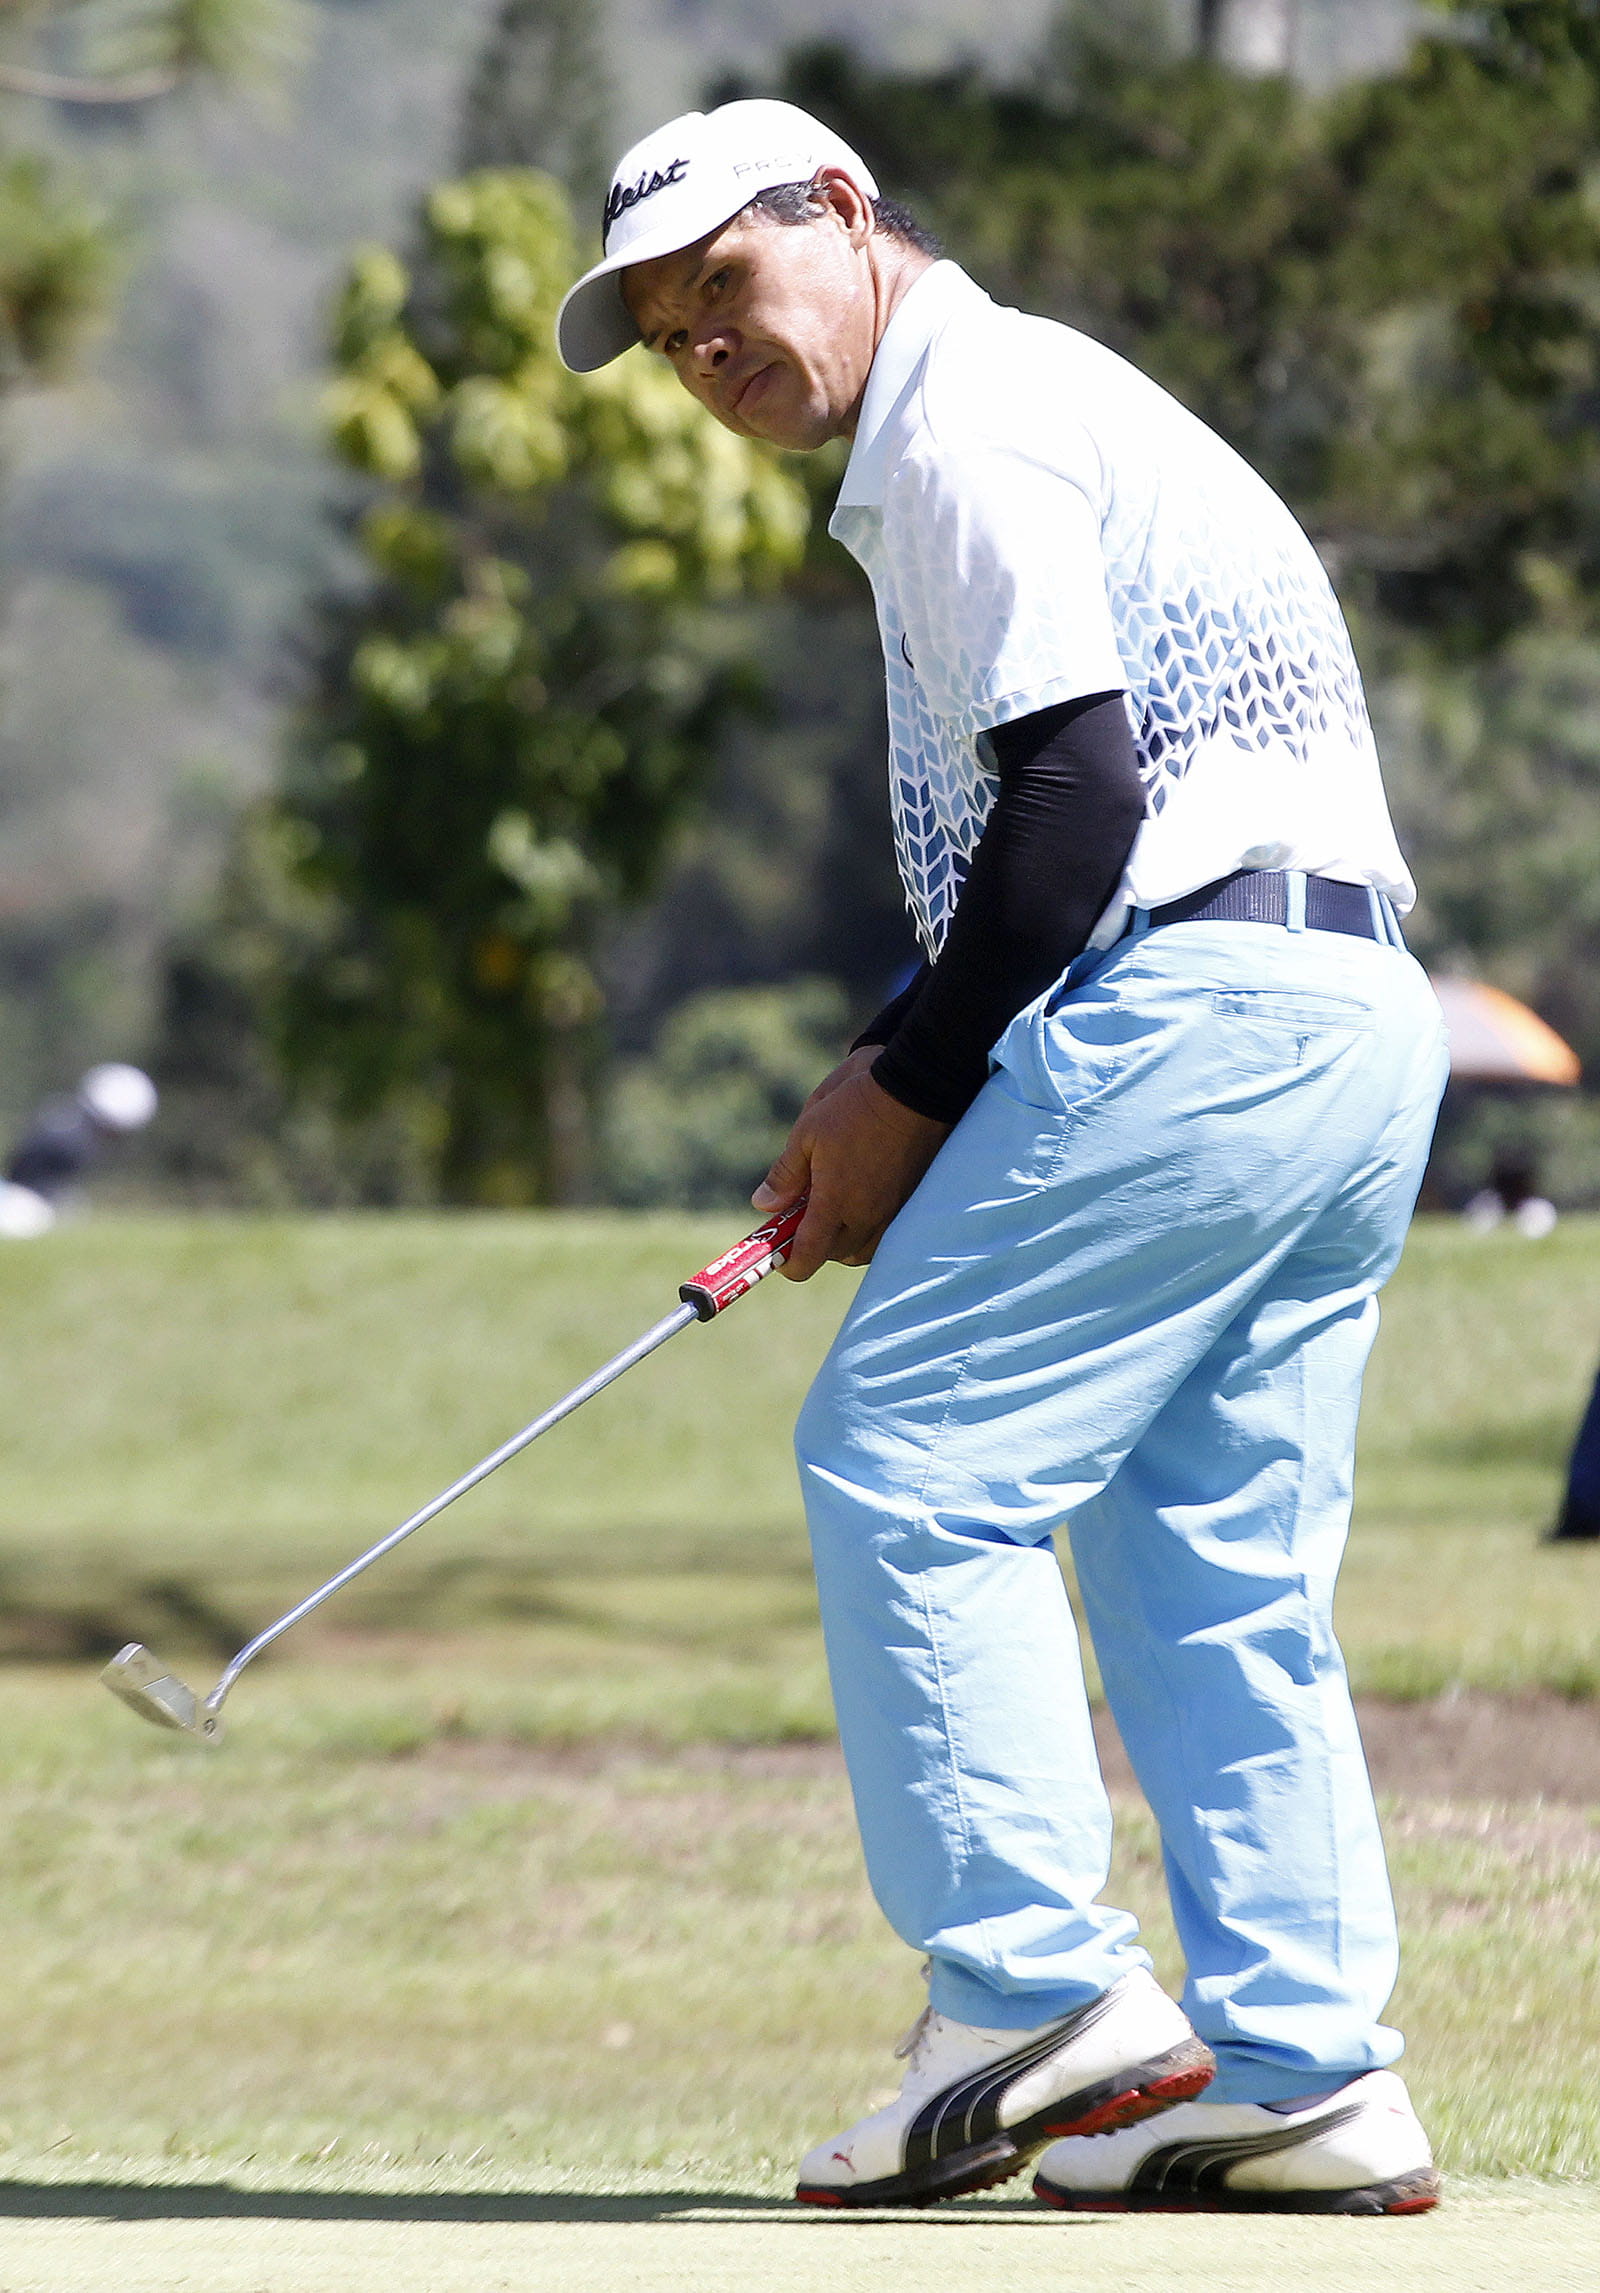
{"points": [[517, 1936], [510, 2014], [1494, 2237]]}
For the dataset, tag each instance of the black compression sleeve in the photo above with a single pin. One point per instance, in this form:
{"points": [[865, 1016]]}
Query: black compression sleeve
{"points": [[1051, 855]]}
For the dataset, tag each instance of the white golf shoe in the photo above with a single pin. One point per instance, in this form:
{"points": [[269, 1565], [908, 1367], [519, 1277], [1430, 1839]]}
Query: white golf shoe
{"points": [[976, 2104], [1360, 2150]]}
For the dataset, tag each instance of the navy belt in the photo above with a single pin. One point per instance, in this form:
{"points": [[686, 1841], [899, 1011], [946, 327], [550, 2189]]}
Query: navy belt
{"points": [[1267, 896]]}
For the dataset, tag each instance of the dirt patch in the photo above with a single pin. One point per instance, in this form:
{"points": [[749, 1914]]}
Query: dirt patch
{"points": [[1460, 1747], [1465, 1747], [1487, 1747]]}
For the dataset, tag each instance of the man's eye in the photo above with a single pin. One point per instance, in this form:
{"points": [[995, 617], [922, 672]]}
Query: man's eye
{"points": [[717, 281], [674, 343]]}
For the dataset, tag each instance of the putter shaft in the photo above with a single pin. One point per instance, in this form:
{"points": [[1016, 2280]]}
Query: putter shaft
{"points": [[158, 1695], [667, 1327]]}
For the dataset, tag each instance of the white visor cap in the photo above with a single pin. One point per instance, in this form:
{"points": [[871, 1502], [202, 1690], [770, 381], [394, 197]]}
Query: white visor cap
{"points": [[677, 186]]}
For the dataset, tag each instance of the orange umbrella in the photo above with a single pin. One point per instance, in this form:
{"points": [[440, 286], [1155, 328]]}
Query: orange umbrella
{"points": [[1496, 1039]]}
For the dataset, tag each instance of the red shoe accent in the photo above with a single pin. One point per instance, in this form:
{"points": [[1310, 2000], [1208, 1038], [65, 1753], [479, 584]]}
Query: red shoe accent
{"points": [[1182, 2086], [1137, 2103]]}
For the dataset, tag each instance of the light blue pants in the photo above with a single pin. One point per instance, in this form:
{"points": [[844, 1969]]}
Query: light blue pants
{"points": [[1136, 1288]]}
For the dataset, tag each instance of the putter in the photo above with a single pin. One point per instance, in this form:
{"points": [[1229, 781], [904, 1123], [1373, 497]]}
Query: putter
{"points": [[148, 1688]]}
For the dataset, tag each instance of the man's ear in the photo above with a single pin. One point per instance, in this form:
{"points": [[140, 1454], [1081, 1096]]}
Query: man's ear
{"points": [[845, 199]]}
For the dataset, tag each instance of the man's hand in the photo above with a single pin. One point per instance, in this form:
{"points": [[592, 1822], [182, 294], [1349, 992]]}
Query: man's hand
{"points": [[861, 1153]]}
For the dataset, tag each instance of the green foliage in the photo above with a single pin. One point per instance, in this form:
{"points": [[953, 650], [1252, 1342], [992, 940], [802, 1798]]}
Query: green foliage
{"points": [[1388, 300], [1508, 755], [230, 1133], [510, 723], [1465, 458], [57, 254], [1552, 1137], [696, 1124], [1519, 35], [55, 268]]}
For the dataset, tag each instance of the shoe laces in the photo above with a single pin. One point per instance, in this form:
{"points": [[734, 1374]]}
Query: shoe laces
{"points": [[913, 2045]]}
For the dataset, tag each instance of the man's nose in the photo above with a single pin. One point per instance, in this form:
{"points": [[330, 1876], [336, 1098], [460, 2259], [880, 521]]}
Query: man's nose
{"points": [[713, 350]]}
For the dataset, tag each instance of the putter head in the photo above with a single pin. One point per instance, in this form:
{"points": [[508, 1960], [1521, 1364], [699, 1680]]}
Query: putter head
{"points": [[148, 1688]]}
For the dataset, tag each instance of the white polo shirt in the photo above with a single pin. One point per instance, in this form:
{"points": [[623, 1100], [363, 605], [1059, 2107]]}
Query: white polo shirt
{"points": [[1040, 521]]}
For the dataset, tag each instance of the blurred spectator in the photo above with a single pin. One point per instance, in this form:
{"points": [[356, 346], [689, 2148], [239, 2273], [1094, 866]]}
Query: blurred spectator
{"points": [[1511, 1196], [64, 1139], [1580, 1510]]}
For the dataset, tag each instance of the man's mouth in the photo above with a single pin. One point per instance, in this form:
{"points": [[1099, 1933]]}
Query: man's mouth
{"points": [[745, 395]]}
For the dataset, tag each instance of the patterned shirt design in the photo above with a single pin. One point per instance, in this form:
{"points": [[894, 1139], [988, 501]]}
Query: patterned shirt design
{"points": [[1088, 534]]}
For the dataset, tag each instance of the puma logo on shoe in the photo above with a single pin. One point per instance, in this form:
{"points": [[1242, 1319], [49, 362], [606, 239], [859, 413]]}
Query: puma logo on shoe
{"points": [[976, 2104]]}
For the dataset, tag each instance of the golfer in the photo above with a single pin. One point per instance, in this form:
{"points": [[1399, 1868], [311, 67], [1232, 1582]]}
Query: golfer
{"points": [[1130, 1160]]}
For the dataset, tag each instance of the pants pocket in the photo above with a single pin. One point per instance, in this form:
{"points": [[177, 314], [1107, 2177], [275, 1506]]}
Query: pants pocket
{"points": [[1290, 1024], [1290, 1007]]}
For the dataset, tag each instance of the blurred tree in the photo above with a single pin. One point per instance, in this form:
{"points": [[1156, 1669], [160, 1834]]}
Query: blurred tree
{"points": [[697, 1123], [1463, 472], [1385, 299], [91, 723], [788, 870], [509, 722], [1389, 300], [136, 51], [56, 246], [55, 270], [1494, 772], [541, 95]]}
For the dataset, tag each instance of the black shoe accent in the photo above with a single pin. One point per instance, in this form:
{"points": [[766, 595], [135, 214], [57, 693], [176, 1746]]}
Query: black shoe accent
{"points": [[1205, 2165], [1573, 1528], [966, 2114], [1409, 2193], [1191, 2177], [956, 2143]]}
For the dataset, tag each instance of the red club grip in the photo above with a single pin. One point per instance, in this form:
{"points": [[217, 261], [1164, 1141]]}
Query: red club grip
{"points": [[742, 1267]]}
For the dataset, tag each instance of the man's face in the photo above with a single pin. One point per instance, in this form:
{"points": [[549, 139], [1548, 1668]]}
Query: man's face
{"points": [[772, 326]]}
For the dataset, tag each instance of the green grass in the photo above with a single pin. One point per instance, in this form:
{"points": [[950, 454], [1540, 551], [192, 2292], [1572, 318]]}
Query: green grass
{"points": [[322, 1959], [1483, 1364], [1534, 2238], [176, 1389], [199, 1418], [532, 1867], [1488, 1348]]}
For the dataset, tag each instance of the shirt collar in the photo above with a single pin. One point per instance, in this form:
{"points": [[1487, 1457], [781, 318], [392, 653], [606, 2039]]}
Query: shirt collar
{"points": [[923, 310]]}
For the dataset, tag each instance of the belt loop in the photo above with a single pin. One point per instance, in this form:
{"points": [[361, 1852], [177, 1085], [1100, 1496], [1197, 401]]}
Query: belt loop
{"points": [[1138, 923], [1380, 921], [1294, 899]]}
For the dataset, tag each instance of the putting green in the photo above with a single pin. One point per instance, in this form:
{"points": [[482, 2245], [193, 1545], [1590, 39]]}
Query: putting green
{"points": [[1536, 2237]]}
